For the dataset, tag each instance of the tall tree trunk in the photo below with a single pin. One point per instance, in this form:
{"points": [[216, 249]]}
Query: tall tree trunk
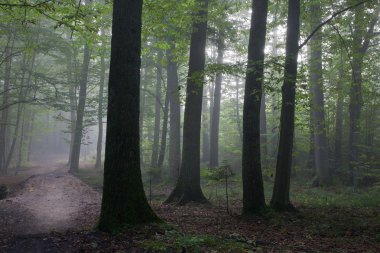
{"points": [[144, 83], [361, 40], [280, 199], [253, 186], [4, 112], [30, 136], [98, 163], [164, 131], [263, 129], [339, 117], [205, 127], [318, 104], [188, 186], [75, 153], [175, 116], [22, 139], [124, 201], [157, 111], [214, 129], [237, 108], [73, 102]]}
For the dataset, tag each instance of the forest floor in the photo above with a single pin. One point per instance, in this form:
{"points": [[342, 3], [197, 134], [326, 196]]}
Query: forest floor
{"points": [[54, 211]]}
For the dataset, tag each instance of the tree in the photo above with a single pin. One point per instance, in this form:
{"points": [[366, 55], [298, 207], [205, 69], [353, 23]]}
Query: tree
{"points": [[280, 198], [362, 35], [124, 201], [188, 185], [78, 132], [321, 159], [253, 189], [175, 115], [98, 162], [214, 128]]}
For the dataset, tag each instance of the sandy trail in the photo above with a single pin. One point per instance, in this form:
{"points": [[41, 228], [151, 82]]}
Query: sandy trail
{"points": [[54, 201]]}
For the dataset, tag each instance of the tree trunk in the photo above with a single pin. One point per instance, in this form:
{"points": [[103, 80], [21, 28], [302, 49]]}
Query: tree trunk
{"points": [[175, 116], [214, 129], [164, 131], [75, 153], [205, 128], [157, 111], [280, 199], [4, 112], [73, 102], [361, 40], [238, 124], [253, 187], [318, 104], [339, 117], [124, 201], [188, 186], [98, 163], [263, 129]]}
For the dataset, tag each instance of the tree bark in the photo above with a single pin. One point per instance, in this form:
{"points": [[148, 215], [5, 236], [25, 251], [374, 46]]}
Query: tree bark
{"points": [[253, 186], [339, 117], [280, 199], [4, 112], [237, 108], [214, 129], [361, 40], [188, 186], [157, 111], [321, 159], [206, 122], [75, 152], [98, 163], [164, 132], [175, 116], [124, 201]]}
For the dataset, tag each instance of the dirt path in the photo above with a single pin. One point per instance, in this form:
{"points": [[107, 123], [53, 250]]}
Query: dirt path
{"points": [[55, 201]]}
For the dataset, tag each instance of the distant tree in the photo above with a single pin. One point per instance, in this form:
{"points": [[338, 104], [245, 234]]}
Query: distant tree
{"points": [[175, 114], [78, 132], [188, 185], [124, 201], [321, 159], [280, 199], [99, 145], [363, 33], [253, 189]]}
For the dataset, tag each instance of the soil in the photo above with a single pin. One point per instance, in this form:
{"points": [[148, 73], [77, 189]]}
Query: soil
{"points": [[56, 212]]}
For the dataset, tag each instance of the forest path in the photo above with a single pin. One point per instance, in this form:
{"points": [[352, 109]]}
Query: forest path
{"points": [[49, 202]]}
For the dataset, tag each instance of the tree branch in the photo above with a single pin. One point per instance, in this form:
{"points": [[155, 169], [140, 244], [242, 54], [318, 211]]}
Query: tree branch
{"points": [[328, 20]]}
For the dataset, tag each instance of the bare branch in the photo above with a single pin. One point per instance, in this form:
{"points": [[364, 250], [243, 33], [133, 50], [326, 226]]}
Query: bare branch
{"points": [[328, 20]]}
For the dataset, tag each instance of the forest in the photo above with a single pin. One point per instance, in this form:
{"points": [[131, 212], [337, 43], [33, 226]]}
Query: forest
{"points": [[189, 126]]}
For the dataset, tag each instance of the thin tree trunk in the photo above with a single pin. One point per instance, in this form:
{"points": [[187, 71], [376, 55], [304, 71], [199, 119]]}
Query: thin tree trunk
{"points": [[253, 186], [214, 129], [164, 131], [73, 102], [98, 163], [263, 130], [75, 153], [205, 128], [339, 117], [280, 199], [237, 108], [318, 104], [157, 111], [5, 111], [175, 116]]}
